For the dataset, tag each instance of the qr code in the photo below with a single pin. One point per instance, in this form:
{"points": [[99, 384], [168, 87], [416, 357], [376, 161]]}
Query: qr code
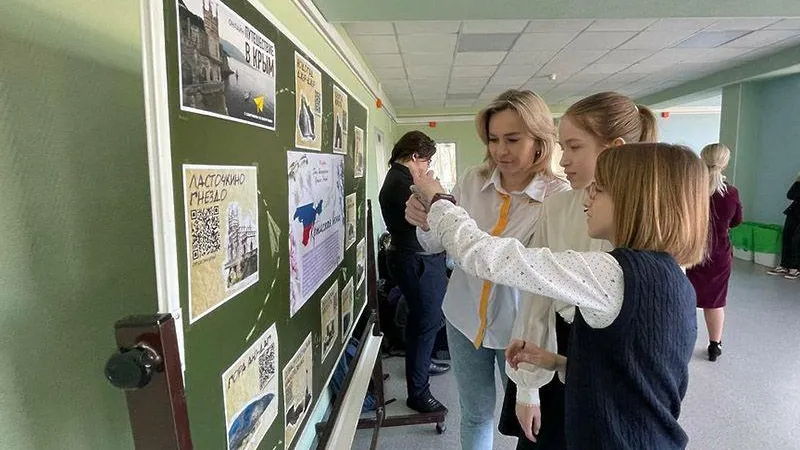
{"points": [[205, 232], [317, 102], [266, 367]]}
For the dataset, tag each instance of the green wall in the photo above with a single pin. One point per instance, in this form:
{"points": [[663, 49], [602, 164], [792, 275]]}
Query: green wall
{"points": [[693, 130], [760, 125], [766, 138], [740, 131], [77, 240]]}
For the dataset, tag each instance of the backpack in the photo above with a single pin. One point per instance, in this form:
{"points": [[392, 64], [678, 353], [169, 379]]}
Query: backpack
{"points": [[340, 373]]}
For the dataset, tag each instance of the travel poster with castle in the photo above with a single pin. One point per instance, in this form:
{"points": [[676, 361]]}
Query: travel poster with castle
{"points": [[227, 67]]}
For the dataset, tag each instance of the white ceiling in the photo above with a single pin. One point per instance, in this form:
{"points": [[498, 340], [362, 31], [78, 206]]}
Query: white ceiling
{"points": [[435, 64]]}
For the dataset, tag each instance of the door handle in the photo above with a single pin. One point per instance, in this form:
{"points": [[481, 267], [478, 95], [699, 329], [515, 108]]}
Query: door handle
{"points": [[132, 368]]}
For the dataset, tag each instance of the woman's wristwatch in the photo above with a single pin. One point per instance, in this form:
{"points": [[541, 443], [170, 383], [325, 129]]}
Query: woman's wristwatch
{"points": [[442, 196]]}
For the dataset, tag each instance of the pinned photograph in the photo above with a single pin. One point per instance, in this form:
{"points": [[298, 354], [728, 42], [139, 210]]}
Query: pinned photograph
{"points": [[347, 309], [339, 121], [227, 67], [316, 222], [350, 210], [361, 261], [329, 312], [297, 390], [221, 234], [250, 393], [358, 156], [308, 104]]}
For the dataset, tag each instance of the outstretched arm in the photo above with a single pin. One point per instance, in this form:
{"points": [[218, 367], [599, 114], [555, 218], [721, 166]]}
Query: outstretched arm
{"points": [[591, 280]]}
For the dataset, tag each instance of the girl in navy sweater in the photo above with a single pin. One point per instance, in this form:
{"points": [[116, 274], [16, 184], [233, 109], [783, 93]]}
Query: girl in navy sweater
{"points": [[634, 326]]}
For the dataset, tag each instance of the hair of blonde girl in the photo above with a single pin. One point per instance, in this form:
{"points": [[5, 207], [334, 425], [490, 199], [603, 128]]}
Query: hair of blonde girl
{"points": [[660, 197], [538, 120], [716, 157], [610, 115]]}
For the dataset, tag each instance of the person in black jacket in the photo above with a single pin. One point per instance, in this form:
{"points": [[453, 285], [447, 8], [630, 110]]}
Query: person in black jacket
{"points": [[421, 276], [790, 254]]}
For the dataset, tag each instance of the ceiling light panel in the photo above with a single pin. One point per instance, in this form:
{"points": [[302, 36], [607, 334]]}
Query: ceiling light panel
{"points": [[486, 42]]}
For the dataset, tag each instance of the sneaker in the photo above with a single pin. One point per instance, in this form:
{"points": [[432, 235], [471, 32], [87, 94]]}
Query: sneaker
{"points": [[792, 274], [714, 350], [778, 271]]}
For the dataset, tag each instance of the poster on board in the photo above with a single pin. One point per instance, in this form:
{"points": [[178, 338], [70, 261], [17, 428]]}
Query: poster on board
{"points": [[361, 261], [358, 152], [329, 313], [350, 209], [316, 227], [347, 309], [308, 104], [250, 393], [297, 392], [339, 121], [227, 67], [221, 234]]}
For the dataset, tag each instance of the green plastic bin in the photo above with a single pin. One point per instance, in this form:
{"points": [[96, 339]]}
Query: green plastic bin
{"points": [[767, 238], [742, 236]]}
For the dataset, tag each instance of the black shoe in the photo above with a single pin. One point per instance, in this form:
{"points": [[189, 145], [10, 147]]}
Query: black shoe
{"points": [[714, 350], [425, 404], [438, 368]]}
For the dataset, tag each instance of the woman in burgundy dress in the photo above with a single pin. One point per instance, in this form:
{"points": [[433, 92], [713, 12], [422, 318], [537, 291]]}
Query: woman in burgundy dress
{"points": [[710, 279]]}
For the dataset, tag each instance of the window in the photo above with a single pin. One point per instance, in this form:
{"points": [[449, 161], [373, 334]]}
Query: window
{"points": [[444, 164]]}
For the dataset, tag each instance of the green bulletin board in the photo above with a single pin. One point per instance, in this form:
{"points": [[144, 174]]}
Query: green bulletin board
{"points": [[267, 148]]}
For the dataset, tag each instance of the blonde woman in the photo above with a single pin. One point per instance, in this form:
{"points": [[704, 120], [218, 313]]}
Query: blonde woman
{"points": [[504, 195], [710, 279]]}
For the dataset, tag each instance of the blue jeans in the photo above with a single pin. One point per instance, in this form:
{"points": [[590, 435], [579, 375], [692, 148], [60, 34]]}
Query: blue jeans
{"points": [[423, 281], [475, 375]]}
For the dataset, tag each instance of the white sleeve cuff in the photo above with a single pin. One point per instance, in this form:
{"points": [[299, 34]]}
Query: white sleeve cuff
{"points": [[528, 396], [562, 374]]}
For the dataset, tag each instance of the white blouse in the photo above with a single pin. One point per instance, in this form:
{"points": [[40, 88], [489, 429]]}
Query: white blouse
{"points": [[561, 227], [486, 317], [591, 281]]}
